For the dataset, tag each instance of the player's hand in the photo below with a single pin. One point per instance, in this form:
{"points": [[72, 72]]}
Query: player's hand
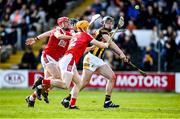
{"points": [[125, 59], [93, 47], [107, 45], [30, 41]]}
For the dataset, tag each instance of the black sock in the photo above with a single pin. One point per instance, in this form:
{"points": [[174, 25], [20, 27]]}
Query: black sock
{"points": [[107, 98], [68, 97]]}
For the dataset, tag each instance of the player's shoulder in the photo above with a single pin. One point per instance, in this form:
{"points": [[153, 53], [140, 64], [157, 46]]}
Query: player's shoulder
{"points": [[55, 28], [86, 35]]}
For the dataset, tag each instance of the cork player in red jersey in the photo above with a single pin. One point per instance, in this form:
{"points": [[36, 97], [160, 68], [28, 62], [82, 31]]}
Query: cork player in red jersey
{"points": [[58, 43]]}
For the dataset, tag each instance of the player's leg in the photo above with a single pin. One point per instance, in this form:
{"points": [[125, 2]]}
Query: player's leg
{"points": [[49, 65], [75, 91], [46, 88], [86, 76], [89, 66], [51, 71], [41, 89], [32, 98], [107, 72], [64, 84], [66, 65], [55, 82], [53, 75]]}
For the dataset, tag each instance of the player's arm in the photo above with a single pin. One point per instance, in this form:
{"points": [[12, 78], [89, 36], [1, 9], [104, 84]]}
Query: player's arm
{"points": [[31, 41], [58, 35], [99, 44], [115, 48], [89, 49]]}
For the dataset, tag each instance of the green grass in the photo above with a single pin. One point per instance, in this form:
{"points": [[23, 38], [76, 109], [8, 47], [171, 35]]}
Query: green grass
{"points": [[133, 105]]}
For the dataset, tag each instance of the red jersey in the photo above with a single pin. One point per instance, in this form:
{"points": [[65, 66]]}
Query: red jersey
{"points": [[78, 44], [57, 47]]}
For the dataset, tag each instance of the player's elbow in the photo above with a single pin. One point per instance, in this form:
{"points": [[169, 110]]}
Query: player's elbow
{"points": [[103, 45]]}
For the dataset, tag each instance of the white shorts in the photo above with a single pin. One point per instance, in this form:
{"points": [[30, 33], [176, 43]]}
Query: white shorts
{"points": [[46, 59], [91, 62], [67, 64]]}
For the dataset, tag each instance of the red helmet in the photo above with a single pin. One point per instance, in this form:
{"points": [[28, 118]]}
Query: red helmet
{"points": [[62, 19]]}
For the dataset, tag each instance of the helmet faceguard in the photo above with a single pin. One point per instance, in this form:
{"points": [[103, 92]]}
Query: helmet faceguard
{"points": [[108, 22]]}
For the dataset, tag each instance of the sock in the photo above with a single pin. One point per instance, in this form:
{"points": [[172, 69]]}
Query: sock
{"points": [[46, 91], [73, 102], [39, 87], [68, 97], [46, 81], [107, 98], [33, 96]]}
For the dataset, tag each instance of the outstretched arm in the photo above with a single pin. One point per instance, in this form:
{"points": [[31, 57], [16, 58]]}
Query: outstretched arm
{"points": [[89, 49], [115, 48], [31, 41], [99, 44], [58, 35]]}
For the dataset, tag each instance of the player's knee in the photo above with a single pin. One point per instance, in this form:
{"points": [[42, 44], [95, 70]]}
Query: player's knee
{"points": [[79, 86], [82, 87], [113, 78], [84, 84], [66, 87]]}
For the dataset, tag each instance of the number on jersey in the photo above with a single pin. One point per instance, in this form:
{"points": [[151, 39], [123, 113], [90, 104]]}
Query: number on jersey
{"points": [[73, 42], [62, 43]]}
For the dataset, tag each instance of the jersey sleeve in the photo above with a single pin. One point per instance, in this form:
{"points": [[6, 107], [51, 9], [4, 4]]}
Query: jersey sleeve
{"points": [[89, 37]]}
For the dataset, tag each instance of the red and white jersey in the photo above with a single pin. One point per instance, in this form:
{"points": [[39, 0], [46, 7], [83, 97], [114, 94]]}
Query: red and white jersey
{"points": [[57, 47], [78, 44]]}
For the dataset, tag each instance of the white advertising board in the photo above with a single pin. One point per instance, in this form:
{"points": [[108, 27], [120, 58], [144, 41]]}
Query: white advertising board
{"points": [[177, 83], [14, 78]]}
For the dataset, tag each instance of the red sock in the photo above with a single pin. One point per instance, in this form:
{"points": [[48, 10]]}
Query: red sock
{"points": [[73, 102], [46, 81]]}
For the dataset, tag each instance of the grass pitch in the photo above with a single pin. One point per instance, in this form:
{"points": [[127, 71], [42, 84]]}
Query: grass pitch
{"points": [[132, 105]]}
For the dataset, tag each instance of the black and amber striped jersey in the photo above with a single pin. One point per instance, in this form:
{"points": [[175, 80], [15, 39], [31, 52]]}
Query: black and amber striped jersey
{"points": [[98, 36]]}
